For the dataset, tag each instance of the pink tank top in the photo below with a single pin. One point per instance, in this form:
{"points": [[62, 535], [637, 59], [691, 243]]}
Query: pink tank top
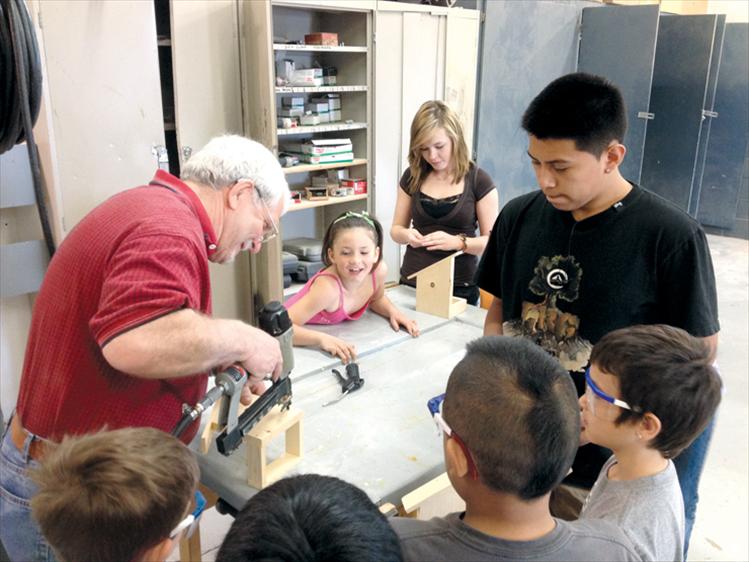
{"points": [[338, 315]]}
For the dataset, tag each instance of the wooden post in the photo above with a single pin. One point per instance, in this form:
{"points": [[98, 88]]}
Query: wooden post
{"points": [[259, 472], [434, 289]]}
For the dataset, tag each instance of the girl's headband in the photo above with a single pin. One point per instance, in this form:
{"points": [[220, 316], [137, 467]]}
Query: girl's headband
{"points": [[353, 214]]}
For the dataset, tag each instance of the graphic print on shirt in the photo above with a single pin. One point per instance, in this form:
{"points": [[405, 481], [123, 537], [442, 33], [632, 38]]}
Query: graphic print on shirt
{"points": [[555, 279]]}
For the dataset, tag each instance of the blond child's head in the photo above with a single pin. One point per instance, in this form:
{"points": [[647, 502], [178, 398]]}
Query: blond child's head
{"points": [[437, 144], [649, 386], [114, 495]]}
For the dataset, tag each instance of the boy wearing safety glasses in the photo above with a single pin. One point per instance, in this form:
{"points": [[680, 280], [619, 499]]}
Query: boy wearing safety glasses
{"points": [[650, 391], [511, 425], [124, 495]]}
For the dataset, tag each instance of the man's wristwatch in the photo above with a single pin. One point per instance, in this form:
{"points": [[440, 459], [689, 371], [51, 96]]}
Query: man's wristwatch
{"points": [[463, 237]]}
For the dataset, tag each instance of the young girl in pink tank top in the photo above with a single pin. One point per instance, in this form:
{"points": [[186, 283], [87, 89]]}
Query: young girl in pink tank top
{"points": [[353, 280]]}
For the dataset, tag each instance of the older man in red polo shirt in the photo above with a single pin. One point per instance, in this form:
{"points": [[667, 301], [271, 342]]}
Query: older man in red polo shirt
{"points": [[121, 333]]}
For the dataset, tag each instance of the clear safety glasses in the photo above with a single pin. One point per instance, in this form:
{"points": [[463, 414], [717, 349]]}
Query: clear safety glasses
{"points": [[603, 405], [190, 523], [435, 409]]}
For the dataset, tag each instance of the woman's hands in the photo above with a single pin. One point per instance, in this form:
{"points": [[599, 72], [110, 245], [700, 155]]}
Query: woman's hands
{"points": [[441, 240], [338, 348], [413, 238]]}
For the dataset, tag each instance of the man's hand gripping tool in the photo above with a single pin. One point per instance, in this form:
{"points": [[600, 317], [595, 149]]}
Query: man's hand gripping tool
{"points": [[274, 319]]}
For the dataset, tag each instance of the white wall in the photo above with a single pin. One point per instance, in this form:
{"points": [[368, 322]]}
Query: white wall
{"points": [[735, 10]]}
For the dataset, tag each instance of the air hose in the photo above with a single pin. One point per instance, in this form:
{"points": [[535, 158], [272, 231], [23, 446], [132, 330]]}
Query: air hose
{"points": [[20, 95]]}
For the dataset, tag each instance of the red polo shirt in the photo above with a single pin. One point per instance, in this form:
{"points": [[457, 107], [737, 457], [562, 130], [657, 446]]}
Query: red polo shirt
{"points": [[136, 257]]}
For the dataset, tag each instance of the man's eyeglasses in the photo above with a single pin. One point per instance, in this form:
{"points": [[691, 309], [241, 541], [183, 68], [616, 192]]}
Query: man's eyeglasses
{"points": [[435, 409], [593, 395], [190, 523], [270, 228]]}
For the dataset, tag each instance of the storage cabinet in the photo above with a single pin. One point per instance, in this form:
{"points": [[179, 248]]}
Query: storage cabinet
{"points": [[274, 32], [687, 53], [726, 152]]}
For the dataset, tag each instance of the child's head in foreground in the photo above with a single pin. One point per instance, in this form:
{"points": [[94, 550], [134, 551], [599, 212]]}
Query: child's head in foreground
{"points": [[649, 386], [310, 518], [115, 495], [514, 417]]}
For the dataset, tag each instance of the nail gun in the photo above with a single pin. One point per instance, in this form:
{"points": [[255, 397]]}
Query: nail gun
{"points": [[274, 319]]}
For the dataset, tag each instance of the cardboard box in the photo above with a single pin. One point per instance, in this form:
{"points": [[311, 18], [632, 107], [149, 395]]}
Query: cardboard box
{"points": [[327, 158], [284, 68], [358, 184], [320, 146], [309, 120], [321, 38], [316, 193], [322, 107], [329, 80], [291, 112], [320, 180], [324, 117], [335, 115], [292, 101], [333, 100], [306, 77], [288, 122]]}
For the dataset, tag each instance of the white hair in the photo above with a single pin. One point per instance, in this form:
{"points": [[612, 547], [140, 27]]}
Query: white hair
{"points": [[229, 158]]}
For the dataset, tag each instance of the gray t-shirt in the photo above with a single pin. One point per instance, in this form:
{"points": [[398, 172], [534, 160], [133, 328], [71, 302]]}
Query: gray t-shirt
{"points": [[649, 510], [449, 539]]}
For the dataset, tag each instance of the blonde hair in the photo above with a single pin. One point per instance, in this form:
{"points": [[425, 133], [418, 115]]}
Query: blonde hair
{"points": [[114, 494], [433, 115]]}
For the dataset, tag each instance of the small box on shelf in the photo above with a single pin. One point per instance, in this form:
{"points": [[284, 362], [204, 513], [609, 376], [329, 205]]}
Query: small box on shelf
{"points": [[320, 146], [293, 101], [321, 38], [316, 193], [310, 120], [359, 185]]}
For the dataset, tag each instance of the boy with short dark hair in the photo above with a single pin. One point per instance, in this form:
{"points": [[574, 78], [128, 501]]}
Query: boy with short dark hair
{"points": [[651, 390], [511, 423], [310, 518], [591, 252], [123, 495]]}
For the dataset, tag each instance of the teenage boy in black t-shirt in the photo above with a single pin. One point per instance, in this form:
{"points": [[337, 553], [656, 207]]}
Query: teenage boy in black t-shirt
{"points": [[591, 252]]}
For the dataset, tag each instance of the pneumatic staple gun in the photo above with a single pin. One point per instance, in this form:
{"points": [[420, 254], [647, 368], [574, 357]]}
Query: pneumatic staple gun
{"points": [[274, 319]]}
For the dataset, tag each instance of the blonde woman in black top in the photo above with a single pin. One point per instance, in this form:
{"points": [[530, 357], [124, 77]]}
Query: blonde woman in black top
{"points": [[445, 202]]}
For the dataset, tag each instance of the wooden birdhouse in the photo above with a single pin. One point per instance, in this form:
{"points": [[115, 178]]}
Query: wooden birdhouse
{"points": [[434, 289]]}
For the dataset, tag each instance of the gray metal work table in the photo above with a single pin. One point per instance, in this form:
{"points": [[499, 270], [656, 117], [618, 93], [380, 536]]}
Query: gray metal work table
{"points": [[380, 437]]}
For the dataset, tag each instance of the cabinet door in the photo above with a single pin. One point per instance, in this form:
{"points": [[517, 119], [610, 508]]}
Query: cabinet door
{"points": [[102, 72], [708, 113], [461, 59], [618, 42], [388, 131], [406, 75], [205, 54], [729, 133], [208, 102], [680, 79]]}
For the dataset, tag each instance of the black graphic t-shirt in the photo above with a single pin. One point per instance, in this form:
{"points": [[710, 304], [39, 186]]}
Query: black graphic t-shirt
{"points": [[565, 284]]}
